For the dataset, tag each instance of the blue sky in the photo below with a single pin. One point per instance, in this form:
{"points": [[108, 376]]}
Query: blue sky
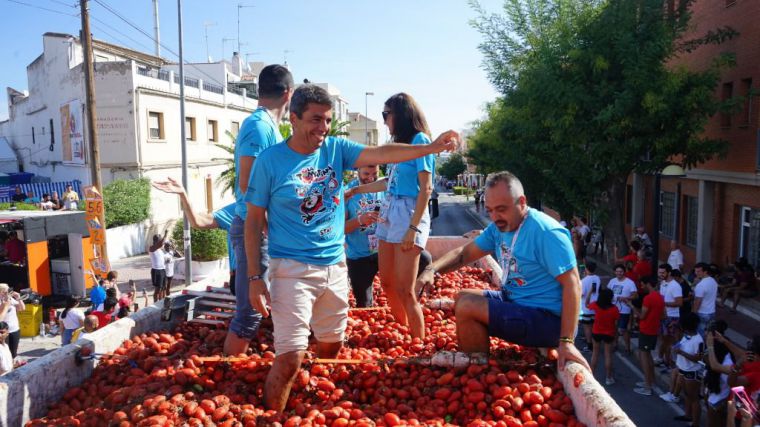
{"points": [[426, 48]]}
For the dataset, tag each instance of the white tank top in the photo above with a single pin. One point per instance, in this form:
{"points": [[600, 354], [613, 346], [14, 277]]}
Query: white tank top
{"points": [[157, 261]]}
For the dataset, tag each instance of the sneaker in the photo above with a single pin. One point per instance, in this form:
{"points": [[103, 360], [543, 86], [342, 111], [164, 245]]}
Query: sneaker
{"points": [[642, 384], [668, 397], [644, 391], [609, 381]]}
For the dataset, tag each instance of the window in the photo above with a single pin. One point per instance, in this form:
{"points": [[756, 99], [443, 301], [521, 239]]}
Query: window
{"points": [[747, 110], [155, 125], [728, 93], [692, 213], [235, 128], [190, 128], [749, 235], [628, 204], [213, 131], [667, 214]]}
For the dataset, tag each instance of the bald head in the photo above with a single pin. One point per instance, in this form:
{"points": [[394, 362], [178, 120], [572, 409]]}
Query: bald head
{"points": [[91, 323]]}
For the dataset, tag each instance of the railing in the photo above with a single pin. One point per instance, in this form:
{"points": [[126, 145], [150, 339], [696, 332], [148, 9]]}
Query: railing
{"points": [[189, 81], [213, 88], [156, 74], [234, 89]]}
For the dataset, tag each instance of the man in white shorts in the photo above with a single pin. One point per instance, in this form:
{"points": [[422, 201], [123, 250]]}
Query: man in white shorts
{"points": [[296, 189]]}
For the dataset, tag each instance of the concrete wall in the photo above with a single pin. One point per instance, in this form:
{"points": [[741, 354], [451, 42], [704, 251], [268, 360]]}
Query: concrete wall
{"points": [[127, 241], [27, 392]]}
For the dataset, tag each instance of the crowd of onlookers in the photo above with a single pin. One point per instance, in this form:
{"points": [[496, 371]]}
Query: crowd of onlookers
{"points": [[674, 316], [49, 201], [73, 323]]}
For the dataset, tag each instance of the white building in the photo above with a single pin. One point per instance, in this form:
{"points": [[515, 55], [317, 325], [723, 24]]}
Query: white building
{"points": [[138, 119], [340, 104], [363, 129]]}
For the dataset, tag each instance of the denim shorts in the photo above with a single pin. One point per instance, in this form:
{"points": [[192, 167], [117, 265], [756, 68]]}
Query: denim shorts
{"points": [[518, 324], [397, 214], [246, 321], [623, 321]]}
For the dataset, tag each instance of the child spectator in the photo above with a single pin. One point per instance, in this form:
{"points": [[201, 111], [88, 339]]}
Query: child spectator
{"points": [[6, 359], [90, 326], [71, 320], [98, 295], [590, 285], [688, 353], [170, 262], [106, 315], [606, 316]]}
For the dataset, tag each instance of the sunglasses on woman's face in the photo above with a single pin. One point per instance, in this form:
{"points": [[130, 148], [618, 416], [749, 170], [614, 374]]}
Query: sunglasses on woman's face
{"points": [[385, 115]]}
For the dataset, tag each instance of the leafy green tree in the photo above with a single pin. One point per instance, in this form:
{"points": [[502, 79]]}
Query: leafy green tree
{"points": [[590, 94], [454, 166], [338, 127], [227, 178]]}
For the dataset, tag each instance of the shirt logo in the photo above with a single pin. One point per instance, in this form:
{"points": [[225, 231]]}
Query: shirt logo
{"points": [[317, 190]]}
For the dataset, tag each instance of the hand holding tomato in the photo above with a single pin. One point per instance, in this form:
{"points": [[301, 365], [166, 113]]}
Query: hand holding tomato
{"points": [[259, 296]]}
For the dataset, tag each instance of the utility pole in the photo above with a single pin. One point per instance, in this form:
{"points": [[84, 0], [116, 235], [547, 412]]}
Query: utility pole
{"points": [[156, 32], [183, 136], [85, 38]]}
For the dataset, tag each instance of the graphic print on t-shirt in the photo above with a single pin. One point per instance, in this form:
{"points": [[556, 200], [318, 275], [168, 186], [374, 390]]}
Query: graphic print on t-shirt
{"points": [[318, 192], [512, 274]]}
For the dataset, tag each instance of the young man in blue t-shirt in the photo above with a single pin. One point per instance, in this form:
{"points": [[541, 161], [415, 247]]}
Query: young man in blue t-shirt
{"points": [[296, 190], [258, 132], [539, 302]]}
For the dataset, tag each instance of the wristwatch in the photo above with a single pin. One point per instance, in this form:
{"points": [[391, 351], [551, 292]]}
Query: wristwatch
{"points": [[255, 277]]}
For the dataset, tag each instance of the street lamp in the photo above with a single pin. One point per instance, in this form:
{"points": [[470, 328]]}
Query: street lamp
{"points": [[366, 118], [669, 171]]}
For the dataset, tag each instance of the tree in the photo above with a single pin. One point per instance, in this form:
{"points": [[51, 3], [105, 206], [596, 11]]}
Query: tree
{"points": [[338, 127], [227, 177], [589, 95], [454, 166]]}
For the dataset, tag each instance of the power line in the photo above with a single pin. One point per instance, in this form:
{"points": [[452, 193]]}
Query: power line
{"points": [[119, 32], [42, 8], [146, 34], [63, 3]]}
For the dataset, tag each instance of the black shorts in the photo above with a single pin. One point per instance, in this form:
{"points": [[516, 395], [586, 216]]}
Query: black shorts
{"points": [[647, 342], [158, 278], [361, 273], [603, 338], [586, 319], [691, 375]]}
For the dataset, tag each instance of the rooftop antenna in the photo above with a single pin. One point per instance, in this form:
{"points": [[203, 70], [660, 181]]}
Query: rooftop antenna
{"points": [[240, 6], [224, 42], [207, 24], [285, 56]]}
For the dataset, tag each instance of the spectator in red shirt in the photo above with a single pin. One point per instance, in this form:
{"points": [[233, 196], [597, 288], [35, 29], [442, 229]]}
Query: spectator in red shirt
{"points": [[15, 249], [606, 316], [634, 248], [105, 316], [650, 316], [642, 266]]}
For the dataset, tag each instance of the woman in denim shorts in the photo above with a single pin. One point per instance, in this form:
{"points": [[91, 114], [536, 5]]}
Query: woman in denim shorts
{"points": [[404, 220]]}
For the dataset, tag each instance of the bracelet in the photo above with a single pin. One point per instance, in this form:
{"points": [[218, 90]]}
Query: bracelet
{"points": [[255, 277], [413, 227], [567, 340]]}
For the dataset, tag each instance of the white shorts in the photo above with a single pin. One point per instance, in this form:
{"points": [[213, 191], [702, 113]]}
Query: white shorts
{"points": [[307, 297]]}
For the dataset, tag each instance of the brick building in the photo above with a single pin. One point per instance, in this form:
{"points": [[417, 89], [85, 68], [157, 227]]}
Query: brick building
{"points": [[714, 212]]}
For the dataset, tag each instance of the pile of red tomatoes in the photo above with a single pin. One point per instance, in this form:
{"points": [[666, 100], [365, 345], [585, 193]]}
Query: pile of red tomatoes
{"points": [[181, 379]]}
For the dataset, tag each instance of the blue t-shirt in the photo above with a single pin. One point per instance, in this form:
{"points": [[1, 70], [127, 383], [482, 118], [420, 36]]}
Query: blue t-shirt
{"points": [[303, 197], [542, 252], [224, 217], [97, 295], [362, 242], [258, 133], [404, 179]]}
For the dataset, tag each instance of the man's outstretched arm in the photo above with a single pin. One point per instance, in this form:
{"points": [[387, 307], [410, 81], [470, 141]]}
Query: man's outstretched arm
{"points": [[396, 153]]}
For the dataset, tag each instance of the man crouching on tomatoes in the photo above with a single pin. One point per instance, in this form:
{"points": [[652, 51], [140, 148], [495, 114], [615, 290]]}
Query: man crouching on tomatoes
{"points": [[539, 300]]}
